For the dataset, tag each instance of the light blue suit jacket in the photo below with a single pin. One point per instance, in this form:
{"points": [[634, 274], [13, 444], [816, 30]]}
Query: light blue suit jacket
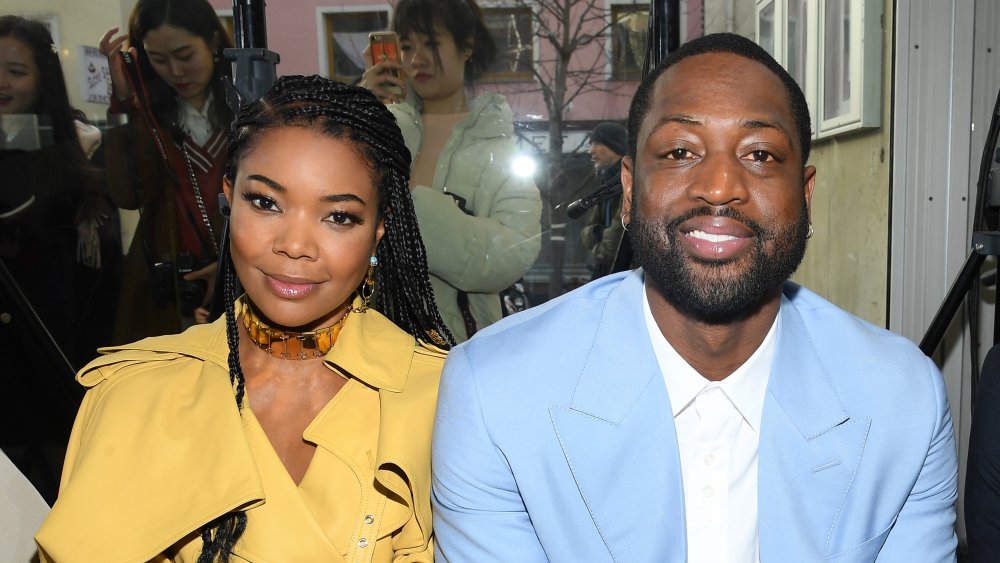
{"points": [[554, 441]]}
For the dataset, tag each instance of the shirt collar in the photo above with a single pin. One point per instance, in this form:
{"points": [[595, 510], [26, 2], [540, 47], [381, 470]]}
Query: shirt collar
{"points": [[745, 387], [188, 111]]}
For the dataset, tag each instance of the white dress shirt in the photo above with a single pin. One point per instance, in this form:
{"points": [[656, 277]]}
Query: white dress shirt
{"points": [[197, 124], [718, 425]]}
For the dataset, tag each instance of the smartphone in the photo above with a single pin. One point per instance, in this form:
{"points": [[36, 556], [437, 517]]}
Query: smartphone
{"points": [[385, 46]]}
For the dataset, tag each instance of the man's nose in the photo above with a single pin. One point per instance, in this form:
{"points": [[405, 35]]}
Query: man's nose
{"points": [[719, 181]]}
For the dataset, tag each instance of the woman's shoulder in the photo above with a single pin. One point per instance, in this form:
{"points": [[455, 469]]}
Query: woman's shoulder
{"points": [[160, 357]]}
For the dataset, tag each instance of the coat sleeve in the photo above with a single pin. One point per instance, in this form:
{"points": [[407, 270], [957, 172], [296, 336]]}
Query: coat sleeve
{"points": [[485, 253], [607, 247], [132, 162], [50, 542], [925, 527], [478, 513]]}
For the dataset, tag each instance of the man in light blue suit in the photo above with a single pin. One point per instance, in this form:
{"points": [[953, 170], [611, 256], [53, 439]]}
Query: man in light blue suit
{"points": [[700, 408]]}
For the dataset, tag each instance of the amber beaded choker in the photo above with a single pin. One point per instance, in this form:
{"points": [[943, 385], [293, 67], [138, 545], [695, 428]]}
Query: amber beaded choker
{"points": [[287, 345]]}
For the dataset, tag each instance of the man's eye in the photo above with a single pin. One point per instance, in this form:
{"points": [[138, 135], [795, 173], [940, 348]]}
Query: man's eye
{"points": [[679, 154], [761, 156]]}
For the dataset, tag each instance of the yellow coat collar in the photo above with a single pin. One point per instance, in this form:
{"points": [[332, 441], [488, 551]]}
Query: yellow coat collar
{"points": [[156, 452]]}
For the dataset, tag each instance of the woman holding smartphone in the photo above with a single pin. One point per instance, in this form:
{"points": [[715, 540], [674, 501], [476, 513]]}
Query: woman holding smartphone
{"points": [[479, 221], [167, 160]]}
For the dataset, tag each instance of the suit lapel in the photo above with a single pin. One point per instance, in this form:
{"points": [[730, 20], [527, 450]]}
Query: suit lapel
{"points": [[810, 448], [618, 437]]}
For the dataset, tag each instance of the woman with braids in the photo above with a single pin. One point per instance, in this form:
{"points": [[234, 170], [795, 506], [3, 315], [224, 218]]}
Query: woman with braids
{"points": [[480, 221], [167, 159], [297, 427]]}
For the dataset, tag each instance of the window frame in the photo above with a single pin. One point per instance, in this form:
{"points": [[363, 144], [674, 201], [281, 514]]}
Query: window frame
{"points": [[514, 76], [865, 64], [325, 33], [617, 10]]}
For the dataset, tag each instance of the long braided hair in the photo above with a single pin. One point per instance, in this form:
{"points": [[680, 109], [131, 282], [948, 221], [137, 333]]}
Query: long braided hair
{"points": [[404, 293]]}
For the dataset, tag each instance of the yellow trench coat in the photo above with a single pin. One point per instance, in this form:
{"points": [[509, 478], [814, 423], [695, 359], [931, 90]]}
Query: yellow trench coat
{"points": [[159, 449]]}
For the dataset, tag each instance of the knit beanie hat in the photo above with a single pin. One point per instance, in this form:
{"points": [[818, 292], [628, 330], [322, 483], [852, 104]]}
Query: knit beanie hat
{"points": [[612, 136]]}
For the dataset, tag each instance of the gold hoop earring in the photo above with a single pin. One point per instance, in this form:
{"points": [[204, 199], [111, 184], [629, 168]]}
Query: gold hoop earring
{"points": [[811, 231], [368, 287]]}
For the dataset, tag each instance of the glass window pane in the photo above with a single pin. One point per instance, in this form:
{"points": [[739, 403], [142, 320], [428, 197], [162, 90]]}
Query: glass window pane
{"points": [[765, 26], [347, 37], [511, 30], [837, 61]]}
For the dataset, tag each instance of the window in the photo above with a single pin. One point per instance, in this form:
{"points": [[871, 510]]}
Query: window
{"points": [[346, 35], [629, 26], [226, 18], [833, 49], [512, 31]]}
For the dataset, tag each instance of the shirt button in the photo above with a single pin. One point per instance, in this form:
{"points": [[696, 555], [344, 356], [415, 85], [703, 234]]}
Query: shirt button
{"points": [[709, 459], [709, 491], [369, 519], [363, 543]]}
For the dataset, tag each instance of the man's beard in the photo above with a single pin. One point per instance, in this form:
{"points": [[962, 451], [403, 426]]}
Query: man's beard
{"points": [[718, 291]]}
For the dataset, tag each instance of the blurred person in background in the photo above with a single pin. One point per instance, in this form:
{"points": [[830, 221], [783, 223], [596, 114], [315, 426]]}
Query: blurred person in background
{"points": [[60, 243], [603, 232], [167, 160], [480, 222]]}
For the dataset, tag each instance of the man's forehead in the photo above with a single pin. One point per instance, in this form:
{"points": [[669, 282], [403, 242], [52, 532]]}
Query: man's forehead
{"points": [[744, 87]]}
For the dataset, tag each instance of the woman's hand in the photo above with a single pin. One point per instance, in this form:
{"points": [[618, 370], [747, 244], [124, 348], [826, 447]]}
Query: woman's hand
{"points": [[111, 47], [208, 274], [89, 137], [381, 78]]}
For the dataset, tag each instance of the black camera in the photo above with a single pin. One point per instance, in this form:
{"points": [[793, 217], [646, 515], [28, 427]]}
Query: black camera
{"points": [[190, 294]]}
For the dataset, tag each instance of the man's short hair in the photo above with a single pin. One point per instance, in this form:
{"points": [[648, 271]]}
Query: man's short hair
{"points": [[720, 43]]}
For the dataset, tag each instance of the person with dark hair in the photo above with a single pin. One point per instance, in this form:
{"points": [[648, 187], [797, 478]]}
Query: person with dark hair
{"points": [[167, 160], [59, 232], [701, 407], [603, 231], [480, 221], [296, 427], [59, 247]]}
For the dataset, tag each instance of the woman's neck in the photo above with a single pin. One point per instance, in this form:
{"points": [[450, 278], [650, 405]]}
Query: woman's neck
{"points": [[455, 103]]}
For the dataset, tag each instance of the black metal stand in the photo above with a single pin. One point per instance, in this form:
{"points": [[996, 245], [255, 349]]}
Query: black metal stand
{"points": [[983, 244], [36, 327], [664, 37], [254, 75]]}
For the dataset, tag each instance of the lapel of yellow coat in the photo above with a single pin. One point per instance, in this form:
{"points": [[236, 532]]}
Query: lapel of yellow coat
{"points": [[406, 374]]}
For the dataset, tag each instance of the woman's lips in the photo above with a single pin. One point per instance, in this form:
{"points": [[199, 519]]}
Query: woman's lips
{"points": [[290, 287], [182, 85]]}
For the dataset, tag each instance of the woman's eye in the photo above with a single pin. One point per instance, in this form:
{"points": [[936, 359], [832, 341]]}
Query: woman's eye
{"points": [[341, 218], [261, 202]]}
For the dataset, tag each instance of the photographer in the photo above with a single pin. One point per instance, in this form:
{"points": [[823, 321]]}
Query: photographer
{"points": [[604, 229], [167, 160]]}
